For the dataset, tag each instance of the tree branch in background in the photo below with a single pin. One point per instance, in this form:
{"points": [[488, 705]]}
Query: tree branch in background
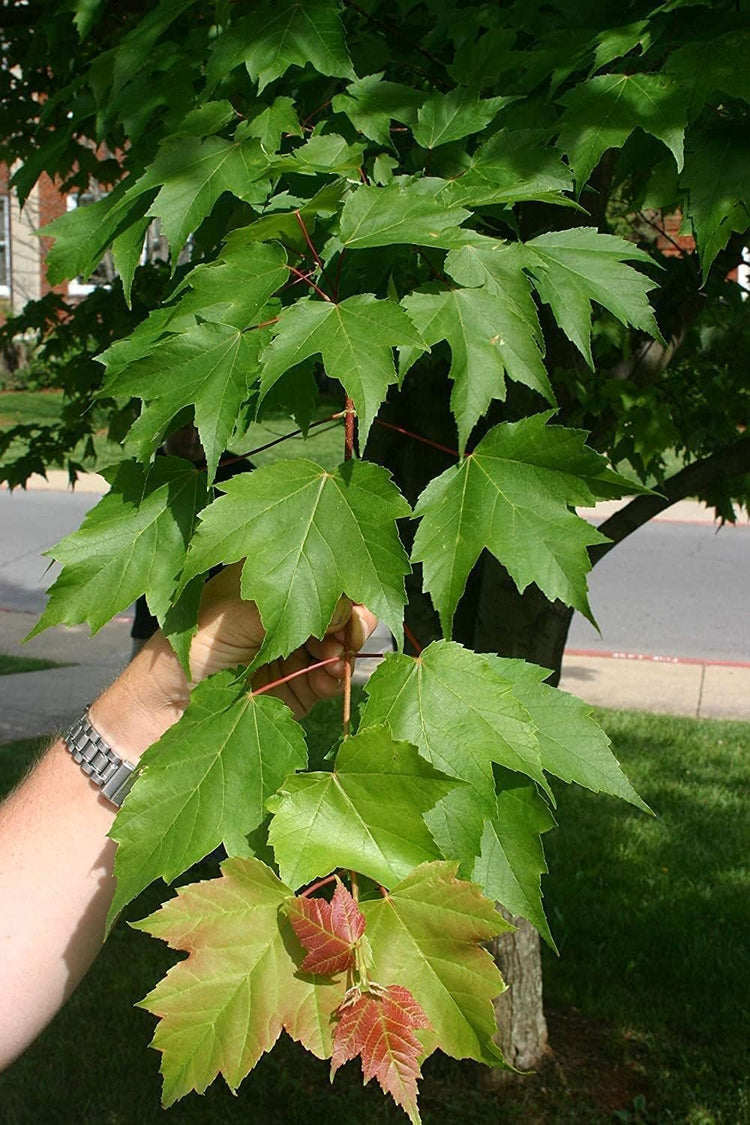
{"points": [[730, 461]]}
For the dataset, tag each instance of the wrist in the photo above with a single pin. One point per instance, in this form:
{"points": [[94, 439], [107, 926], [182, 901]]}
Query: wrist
{"points": [[147, 699]]}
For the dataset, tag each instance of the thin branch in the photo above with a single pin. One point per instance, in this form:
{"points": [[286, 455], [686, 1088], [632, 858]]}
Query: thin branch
{"points": [[311, 247], [317, 885], [433, 269], [393, 29], [315, 112], [412, 639], [346, 711], [293, 675], [263, 324], [417, 437], [306, 277], [276, 441], [730, 461]]}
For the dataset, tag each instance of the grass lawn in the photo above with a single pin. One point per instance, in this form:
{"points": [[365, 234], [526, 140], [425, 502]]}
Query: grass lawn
{"points": [[23, 407], [647, 1003], [10, 664], [323, 445]]}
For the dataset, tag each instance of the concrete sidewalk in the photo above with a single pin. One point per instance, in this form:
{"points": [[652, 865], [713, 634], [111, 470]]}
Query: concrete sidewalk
{"points": [[636, 682], [33, 703]]}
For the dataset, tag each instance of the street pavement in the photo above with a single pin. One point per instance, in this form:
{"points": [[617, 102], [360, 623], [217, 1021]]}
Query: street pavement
{"points": [[673, 604]]}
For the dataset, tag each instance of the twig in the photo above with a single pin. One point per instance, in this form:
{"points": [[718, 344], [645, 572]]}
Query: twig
{"points": [[263, 324], [311, 247], [393, 29], [346, 711], [412, 639], [317, 885], [293, 675], [417, 437], [276, 441], [306, 277]]}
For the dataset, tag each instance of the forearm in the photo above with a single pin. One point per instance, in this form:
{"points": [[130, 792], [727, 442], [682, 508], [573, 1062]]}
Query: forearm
{"points": [[55, 859]]}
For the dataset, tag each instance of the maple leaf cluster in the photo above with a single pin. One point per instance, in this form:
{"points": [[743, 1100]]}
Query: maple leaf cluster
{"points": [[262, 959]]}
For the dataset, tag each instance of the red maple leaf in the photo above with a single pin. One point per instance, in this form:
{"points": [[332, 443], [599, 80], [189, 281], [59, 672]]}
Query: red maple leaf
{"points": [[379, 1026], [328, 931]]}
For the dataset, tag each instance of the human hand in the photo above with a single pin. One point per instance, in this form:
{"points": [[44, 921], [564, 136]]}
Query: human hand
{"points": [[230, 633], [153, 691]]}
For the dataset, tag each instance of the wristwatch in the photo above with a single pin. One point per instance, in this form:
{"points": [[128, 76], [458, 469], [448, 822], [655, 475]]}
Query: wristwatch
{"points": [[112, 774]]}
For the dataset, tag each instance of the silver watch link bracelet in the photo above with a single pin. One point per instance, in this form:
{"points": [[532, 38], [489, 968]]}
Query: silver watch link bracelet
{"points": [[112, 774]]}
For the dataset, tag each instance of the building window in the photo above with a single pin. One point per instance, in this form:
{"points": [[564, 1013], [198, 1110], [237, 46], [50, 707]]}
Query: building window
{"points": [[4, 246], [105, 272]]}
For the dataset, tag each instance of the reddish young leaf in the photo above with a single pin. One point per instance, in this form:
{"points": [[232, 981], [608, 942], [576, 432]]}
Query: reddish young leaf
{"points": [[328, 930], [379, 1026]]}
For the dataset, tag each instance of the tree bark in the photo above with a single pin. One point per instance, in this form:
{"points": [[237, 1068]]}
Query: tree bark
{"points": [[521, 1026]]}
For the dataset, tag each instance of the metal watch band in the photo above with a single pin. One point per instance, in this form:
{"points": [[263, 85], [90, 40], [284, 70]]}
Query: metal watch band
{"points": [[113, 775]]}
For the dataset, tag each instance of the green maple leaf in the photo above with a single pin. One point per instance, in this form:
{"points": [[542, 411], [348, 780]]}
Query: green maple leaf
{"points": [[574, 267], [572, 745], [204, 783], [715, 64], [226, 1004], [427, 931], [400, 213], [449, 117], [324, 153], [308, 536], [282, 34], [512, 495], [233, 290], [511, 167], [716, 175], [616, 42], [510, 860], [81, 236], [127, 251], [367, 814], [270, 124], [192, 173], [463, 717], [603, 112], [207, 119], [459, 713], [356, 340], [371, 104], [211, 367], [284, 225], [133, 542], [488, 339]]}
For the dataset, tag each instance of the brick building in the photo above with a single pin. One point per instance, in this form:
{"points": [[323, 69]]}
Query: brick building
{"points": [[23, 273]]}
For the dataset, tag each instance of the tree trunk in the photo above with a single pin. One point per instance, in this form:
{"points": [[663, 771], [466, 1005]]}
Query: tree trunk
{"points": [[531, 627], [521, 1026]]}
